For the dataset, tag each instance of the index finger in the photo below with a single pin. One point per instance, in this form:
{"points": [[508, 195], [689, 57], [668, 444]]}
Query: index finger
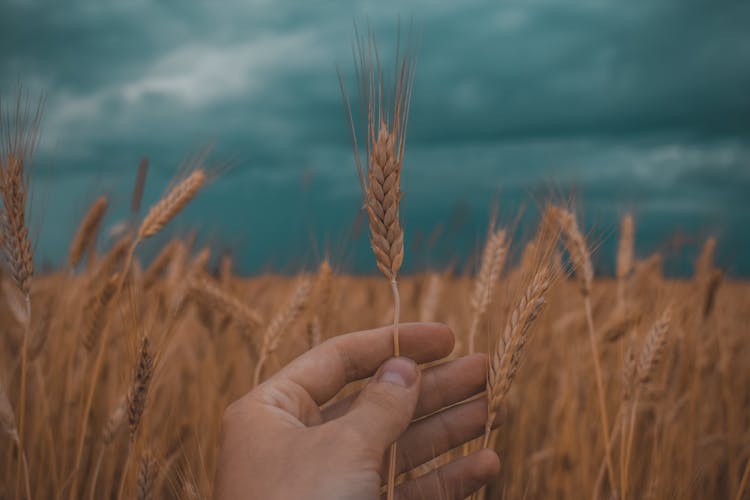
{"points": [[326, 369]]}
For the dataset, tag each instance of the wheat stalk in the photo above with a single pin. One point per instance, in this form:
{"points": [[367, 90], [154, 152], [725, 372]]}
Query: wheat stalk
{"points": [[642, 375], [146, 477], [138, 395], [431, 297], [579, 254], [624, 256], [7, 416], [108, 433], [213, 295], [115, 421], [575, 244], [493, 259], [8, 425], [386, 125], [323, 295], [96, 311], [38, 335], [87, 230], [618, 324], [711, 288], [705, 261], [159, 264], [19, 132], [506, 356], [140, 183], [653, 348], [170, 205], [537, 275], [280, 324], [137, 399], [111, 262]]}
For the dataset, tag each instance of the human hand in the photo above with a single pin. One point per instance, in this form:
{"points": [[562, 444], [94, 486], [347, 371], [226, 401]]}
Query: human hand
{"points": [[278, 443]]}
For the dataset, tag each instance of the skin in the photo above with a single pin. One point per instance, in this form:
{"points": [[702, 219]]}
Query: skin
{"points": [[284, 439]]}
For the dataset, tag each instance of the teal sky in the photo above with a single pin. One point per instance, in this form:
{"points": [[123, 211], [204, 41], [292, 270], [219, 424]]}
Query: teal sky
{"points": [[640, 105]]}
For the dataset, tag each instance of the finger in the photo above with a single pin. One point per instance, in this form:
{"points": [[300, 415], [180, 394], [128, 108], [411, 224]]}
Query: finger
{"points": [[433, 436], [456, 480], [326, 369], [442, 386], [385, 406]]}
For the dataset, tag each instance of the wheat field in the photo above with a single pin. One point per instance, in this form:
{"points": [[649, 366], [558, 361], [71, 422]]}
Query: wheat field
{"points": [[127, 380], [116, 368]]}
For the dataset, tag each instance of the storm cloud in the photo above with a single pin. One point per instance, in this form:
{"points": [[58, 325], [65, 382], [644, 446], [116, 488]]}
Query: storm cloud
{"points": [[640, 105]]}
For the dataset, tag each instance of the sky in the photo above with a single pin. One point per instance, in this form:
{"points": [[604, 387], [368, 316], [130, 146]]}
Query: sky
{"points": [[639, 106]]}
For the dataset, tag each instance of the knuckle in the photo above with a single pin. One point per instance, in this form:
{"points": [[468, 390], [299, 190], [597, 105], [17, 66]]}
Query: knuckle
{"points": [[231, 413], [338, 346], [237, 413], [389, 402]]}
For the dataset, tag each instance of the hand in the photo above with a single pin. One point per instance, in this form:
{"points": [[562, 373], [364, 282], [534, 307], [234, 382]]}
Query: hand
{"points": [[278, 443]]}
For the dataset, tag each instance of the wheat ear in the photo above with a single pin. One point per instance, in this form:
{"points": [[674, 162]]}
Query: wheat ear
{"points": [[493, 258], [138, 395], [323, 294], [112, 260], [280, 324], [16, 241], [137, 400], [706, 277], [19, 132], [8, 425], [705, 261], [575, 244], [711, 288], [146, 477], [210, 293], [108, 433], [383, 198], [159, 264], [170, 205], [506, 356], [653, 348], [624, 256], [87, 231], [97, 310], [643, 372]]}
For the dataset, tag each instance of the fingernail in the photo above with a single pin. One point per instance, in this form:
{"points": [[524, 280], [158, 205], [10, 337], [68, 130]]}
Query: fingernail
{"points": [[398, 371]]}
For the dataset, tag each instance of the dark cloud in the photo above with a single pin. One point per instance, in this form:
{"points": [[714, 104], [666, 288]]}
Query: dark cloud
{"points": [[641, 105]]}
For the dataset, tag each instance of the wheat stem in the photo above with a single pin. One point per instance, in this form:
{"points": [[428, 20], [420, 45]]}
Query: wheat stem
{"points": [[599, 388], [743, 481], [396, 353], [22, 398]]}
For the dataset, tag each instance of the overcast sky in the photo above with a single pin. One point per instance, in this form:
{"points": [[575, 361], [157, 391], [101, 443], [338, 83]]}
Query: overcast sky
{"points": [[639, 105]]}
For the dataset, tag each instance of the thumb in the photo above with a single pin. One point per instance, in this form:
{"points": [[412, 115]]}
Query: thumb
{"points": [[386, 405]]}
